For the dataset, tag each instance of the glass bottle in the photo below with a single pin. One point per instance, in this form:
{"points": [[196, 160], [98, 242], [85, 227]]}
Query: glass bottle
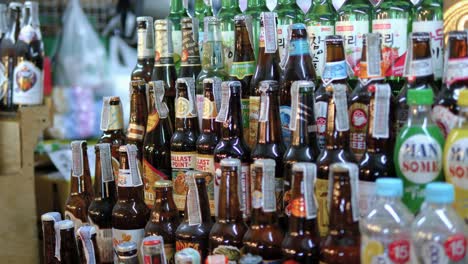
{"points": [[229, 9], [68, 247], [3, 21], [254, 9], [176, 14], [138, 115], [86, 237], [288, 14], [190, 65], [49, 236], [145, 49]]}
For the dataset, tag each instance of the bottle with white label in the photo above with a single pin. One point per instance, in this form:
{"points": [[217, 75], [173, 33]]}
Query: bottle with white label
{"points": [[145, 49], [438, 233], [418, 150], [386, 228], [229, 9], [288, 14]]}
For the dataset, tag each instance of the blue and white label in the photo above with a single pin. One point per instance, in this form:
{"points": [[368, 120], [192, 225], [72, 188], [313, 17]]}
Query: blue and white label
{"points": [[334, 71], [298, 47], [285, 116]]}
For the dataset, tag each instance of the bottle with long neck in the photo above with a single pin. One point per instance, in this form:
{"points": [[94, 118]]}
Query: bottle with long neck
{"points": [[298, 67], [176, 13], [229, 9], [49, 235], [254, 9], [301, 243], [231, 143], [226, 234], [446, 109], [264, 235], [194, 231], [209, 136], [268, 68], [190, 65], [3, 21], [320, 23], [243, 65], [86, 237], [157, 142], [100, 209], [164, 68], [8, 57], [138, 115], [145, 49], [81, 192], [288, 14], [68, 250], [184, 139], [343, 241]]}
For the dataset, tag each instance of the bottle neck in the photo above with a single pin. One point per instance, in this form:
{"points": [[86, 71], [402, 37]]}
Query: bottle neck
{"points": [[103, 189], [131, 189], [138, 108], [228, 207], [79, 183], [14, 23], [189, 48], [229, 4], [322, 7], [145, 47], [269, 131], [213, 54], [202, 203], [243, 47], [232, 128], [209, 124], [300, 136], [164, 48], [163, 201], [341, 206], [419, 115], [176, 7]]}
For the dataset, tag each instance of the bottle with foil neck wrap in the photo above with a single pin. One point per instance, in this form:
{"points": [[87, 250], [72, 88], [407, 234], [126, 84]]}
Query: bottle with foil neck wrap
{"points": [[145, 50]]}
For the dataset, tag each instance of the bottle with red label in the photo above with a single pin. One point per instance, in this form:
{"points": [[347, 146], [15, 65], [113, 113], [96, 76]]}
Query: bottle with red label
{"points": [[386, 229], [438, 233]]}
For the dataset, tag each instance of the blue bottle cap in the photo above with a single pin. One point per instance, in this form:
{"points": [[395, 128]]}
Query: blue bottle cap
{"points": [[298, 26], [440, 192], [389, 187]]}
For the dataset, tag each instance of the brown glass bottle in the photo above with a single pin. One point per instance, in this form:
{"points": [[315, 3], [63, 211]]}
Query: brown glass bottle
{"points": [[209, 136], [228, 231], [301, 243], [268, 68], [183, 142], [138, 115], [419, 74], [193, 232], [145, 49], [232, 143], [164, 68], [446, 109], [264, 235], [298, 67], [48, 236], [87, 245], [100, 209], [343, 240], [81, 192], [8, 57], [157, 142], [190, 65], [130, 214], [68, 247]]}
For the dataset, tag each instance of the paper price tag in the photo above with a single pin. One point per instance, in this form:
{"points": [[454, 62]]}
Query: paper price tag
{"points": [[341, 106], [381, 111], [132, 152], [264, 103], [373, 54], [225, 98], [106, 162], [310, 176], [105, 113], [268, 185], [193, 203], [270, 32], [77, 158], [294, 106]]}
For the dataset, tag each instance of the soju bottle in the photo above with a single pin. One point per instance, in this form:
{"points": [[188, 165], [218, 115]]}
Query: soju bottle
{"points": [[202, 10], [229, 9], [418, 149], [288, 14], [177, 12], [254, 8]]}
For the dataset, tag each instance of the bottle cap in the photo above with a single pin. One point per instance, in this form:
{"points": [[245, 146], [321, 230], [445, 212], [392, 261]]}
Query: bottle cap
{"points": [[65, 224], [51, 216], [31, 4], [463, 98], [86, 231], [420, 36], [458, 35], [334, 38], [163, 184], [230, 162], [439, 192], [298, 26], [147, 19], [126, 247], [420, 97], [389, 187], [15, 5]]}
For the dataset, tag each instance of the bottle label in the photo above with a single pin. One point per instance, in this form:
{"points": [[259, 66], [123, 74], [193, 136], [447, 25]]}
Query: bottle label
{"points": [[209, 109], [254, 109], [228, 46], [28, 34], [285, 116], [341, 107], [352, 32], [366, 197], [457, 70], [180, 244], [269, 33], [317, 34], [455, 247], [372, 251], [399, 251], [163, 50], [232, 253], [321, 109], [433, 252], [298, 47], [200, 108], [420, 68], [130, 235], [359, 115], [76, 221], [111, 116], [444, 118], [150, 176], [27, 83], [452, 249], [190, 55], [334, 71], [181, 162], [3, 77], [145, 47], [283, 37], [206, 163], [394, 43], [321, 194], [184, 108], [193, 202], [456, 172], [380, 111], [242, 69], [245, 118], [153, 121], [436, 29], [135, 132], [126, 179]]}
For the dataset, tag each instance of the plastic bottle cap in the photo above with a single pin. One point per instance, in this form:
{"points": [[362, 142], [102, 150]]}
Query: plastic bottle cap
{"points": [[463, 98], [439, 192], [389, 187], [420, 97]]}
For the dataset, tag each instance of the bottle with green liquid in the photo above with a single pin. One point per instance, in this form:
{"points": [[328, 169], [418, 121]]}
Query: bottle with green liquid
{"points": [[202, 10], [418, 150], [254, 9], [177, 12], [229, 9]]}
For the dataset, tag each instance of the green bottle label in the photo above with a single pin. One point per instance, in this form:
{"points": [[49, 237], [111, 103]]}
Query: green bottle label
{"points": [[242, 69]]}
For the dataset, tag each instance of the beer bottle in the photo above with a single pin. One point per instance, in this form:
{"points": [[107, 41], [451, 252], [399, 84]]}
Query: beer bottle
{"points": [[27, 73], [157, 145], [49, 237], [268, 68], [231, 143], [254, 8], [301, 243], [127, 253], [3, 21], [446, 109], [190, 65], [288, 14], [81, 193], [264, 235], [138, 115], [193, 232], [8, 57], [303, 146], [229, 9], [130, 213], [212, 59], [298, 66], [164, 218], [68, 251], [419, 74], [243, 65], [164, 69], [343, 241], [202, 10], [87, 245], [153, 249], [269, 139], [176, 14], [209, 137], [100, 209], [227, 233], [145, 49], [320, 23], [184, 139]]}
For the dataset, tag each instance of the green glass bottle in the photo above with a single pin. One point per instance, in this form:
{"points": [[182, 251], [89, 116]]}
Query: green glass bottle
{"points": [[320, 23], [254, 8], [202, 10], [229, 9], [288, 14], [177, 12]]}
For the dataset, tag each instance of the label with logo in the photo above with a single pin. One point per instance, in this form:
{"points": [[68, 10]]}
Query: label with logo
{"points": [[254, 110], [457, 70], [104, 243], [394, 44], [366, 197], [131, 235], [242, 69], [126, 179], [436, 29], [27, 83], [184, 108], [321, 194], [455, 247], [76, 221], [181, 162], [282, 41], [321, 109], [209, 109], [444, 118], [190, 55], [334, 71], [150, 176], [399, 251], [206, 163], [135, 131], [232, 253], [359, 115], [245, 118], [285, 116], [145, 48], [163, 49], [317, 34], [298, 47], [352, 32], [228, 46], [456, 172], [433, 252]]}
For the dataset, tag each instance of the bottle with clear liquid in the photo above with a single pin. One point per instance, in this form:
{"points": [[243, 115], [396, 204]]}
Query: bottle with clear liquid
{"points": [[438, 233], [385, 230]]}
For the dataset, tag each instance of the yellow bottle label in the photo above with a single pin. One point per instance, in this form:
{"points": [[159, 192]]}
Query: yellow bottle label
{"points": [[321, 194]]}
